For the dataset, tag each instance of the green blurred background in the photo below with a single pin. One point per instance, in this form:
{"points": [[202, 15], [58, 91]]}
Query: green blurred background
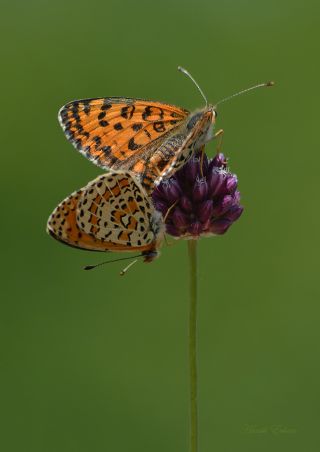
{"points": [[95, 362]]}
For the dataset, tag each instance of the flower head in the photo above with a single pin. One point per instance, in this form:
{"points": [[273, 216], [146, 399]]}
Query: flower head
{"points": [[201, 198]]}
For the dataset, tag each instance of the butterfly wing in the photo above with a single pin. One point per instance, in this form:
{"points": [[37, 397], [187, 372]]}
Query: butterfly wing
{"points": [[62, 225], [113, 132], [112, 213]]}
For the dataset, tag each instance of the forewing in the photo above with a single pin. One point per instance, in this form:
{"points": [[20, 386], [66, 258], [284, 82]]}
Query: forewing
{"points": [[112, 131]]}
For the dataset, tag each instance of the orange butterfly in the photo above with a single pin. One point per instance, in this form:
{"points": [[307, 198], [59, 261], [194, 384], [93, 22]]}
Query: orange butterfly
{"points": [[150, 139], [111, 213]]}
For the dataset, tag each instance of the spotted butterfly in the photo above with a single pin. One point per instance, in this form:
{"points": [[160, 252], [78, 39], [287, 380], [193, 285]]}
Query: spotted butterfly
{"points": [[150, 139], [111, 213]]}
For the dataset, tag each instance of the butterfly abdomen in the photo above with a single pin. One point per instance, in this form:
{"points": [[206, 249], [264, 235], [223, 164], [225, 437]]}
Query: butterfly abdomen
{"points": [[160, 163]]}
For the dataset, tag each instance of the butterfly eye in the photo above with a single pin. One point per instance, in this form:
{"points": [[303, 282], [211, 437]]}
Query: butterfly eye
{"points": [[193, 120]]}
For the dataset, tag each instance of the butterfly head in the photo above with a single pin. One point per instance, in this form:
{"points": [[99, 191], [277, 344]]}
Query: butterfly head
{"points": [[151, 255], [210, 113], [200, 123]]}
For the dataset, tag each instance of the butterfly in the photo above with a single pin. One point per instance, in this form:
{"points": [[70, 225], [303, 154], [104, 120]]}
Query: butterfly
{"points": [[150, 139], [112, 213]]}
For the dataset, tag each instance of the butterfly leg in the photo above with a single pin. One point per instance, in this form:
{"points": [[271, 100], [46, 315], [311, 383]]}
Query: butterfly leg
{"points": [[169, 210], [201, 160], [164, 220], [219, 134]]}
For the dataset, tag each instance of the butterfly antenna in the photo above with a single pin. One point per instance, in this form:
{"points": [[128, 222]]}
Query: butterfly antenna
{"points": [[185, 72], [261, 85], [124, 271], [91, 267]]}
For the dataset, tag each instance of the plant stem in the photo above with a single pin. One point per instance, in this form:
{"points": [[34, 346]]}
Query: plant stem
{"points": [[192, 251]]}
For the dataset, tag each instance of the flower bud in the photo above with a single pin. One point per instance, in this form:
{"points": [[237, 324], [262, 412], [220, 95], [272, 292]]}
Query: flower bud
{"points": [[179, 219], [234, 213], [205, 210], [195, 229], [169, 190], [191, 170], [236, 197], [221, 207], [218, 161], [200, 190], [219, 227], [172, 230], [231, 183], [216, 181], [185, 204]]}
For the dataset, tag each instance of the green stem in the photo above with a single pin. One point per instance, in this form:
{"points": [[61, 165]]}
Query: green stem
{"points": [[192, 251]]}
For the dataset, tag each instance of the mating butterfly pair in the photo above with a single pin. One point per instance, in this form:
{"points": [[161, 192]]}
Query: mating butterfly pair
{"points": [[140, 143]]}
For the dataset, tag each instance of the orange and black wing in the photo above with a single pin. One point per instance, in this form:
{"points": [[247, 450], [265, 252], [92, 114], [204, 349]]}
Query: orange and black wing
{"points": [[63, 226], [115, 132], [112, 213]]}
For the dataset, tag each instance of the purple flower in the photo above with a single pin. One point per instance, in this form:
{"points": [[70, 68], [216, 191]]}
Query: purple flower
{"points": [[199, 201]]}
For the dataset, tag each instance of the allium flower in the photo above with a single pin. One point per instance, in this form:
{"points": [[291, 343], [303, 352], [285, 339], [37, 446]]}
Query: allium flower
{"points": [[199, 201]]}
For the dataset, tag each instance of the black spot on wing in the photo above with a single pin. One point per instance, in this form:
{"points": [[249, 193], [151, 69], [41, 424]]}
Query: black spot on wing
{"points": [[86, 107], [146, 113], [132, 145], [112, 160], [106, 105], [152, 111], [75, 111], [137, 126], [118, 126], [127, 111], [79, 127], [97, 141], [159, 126]]}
